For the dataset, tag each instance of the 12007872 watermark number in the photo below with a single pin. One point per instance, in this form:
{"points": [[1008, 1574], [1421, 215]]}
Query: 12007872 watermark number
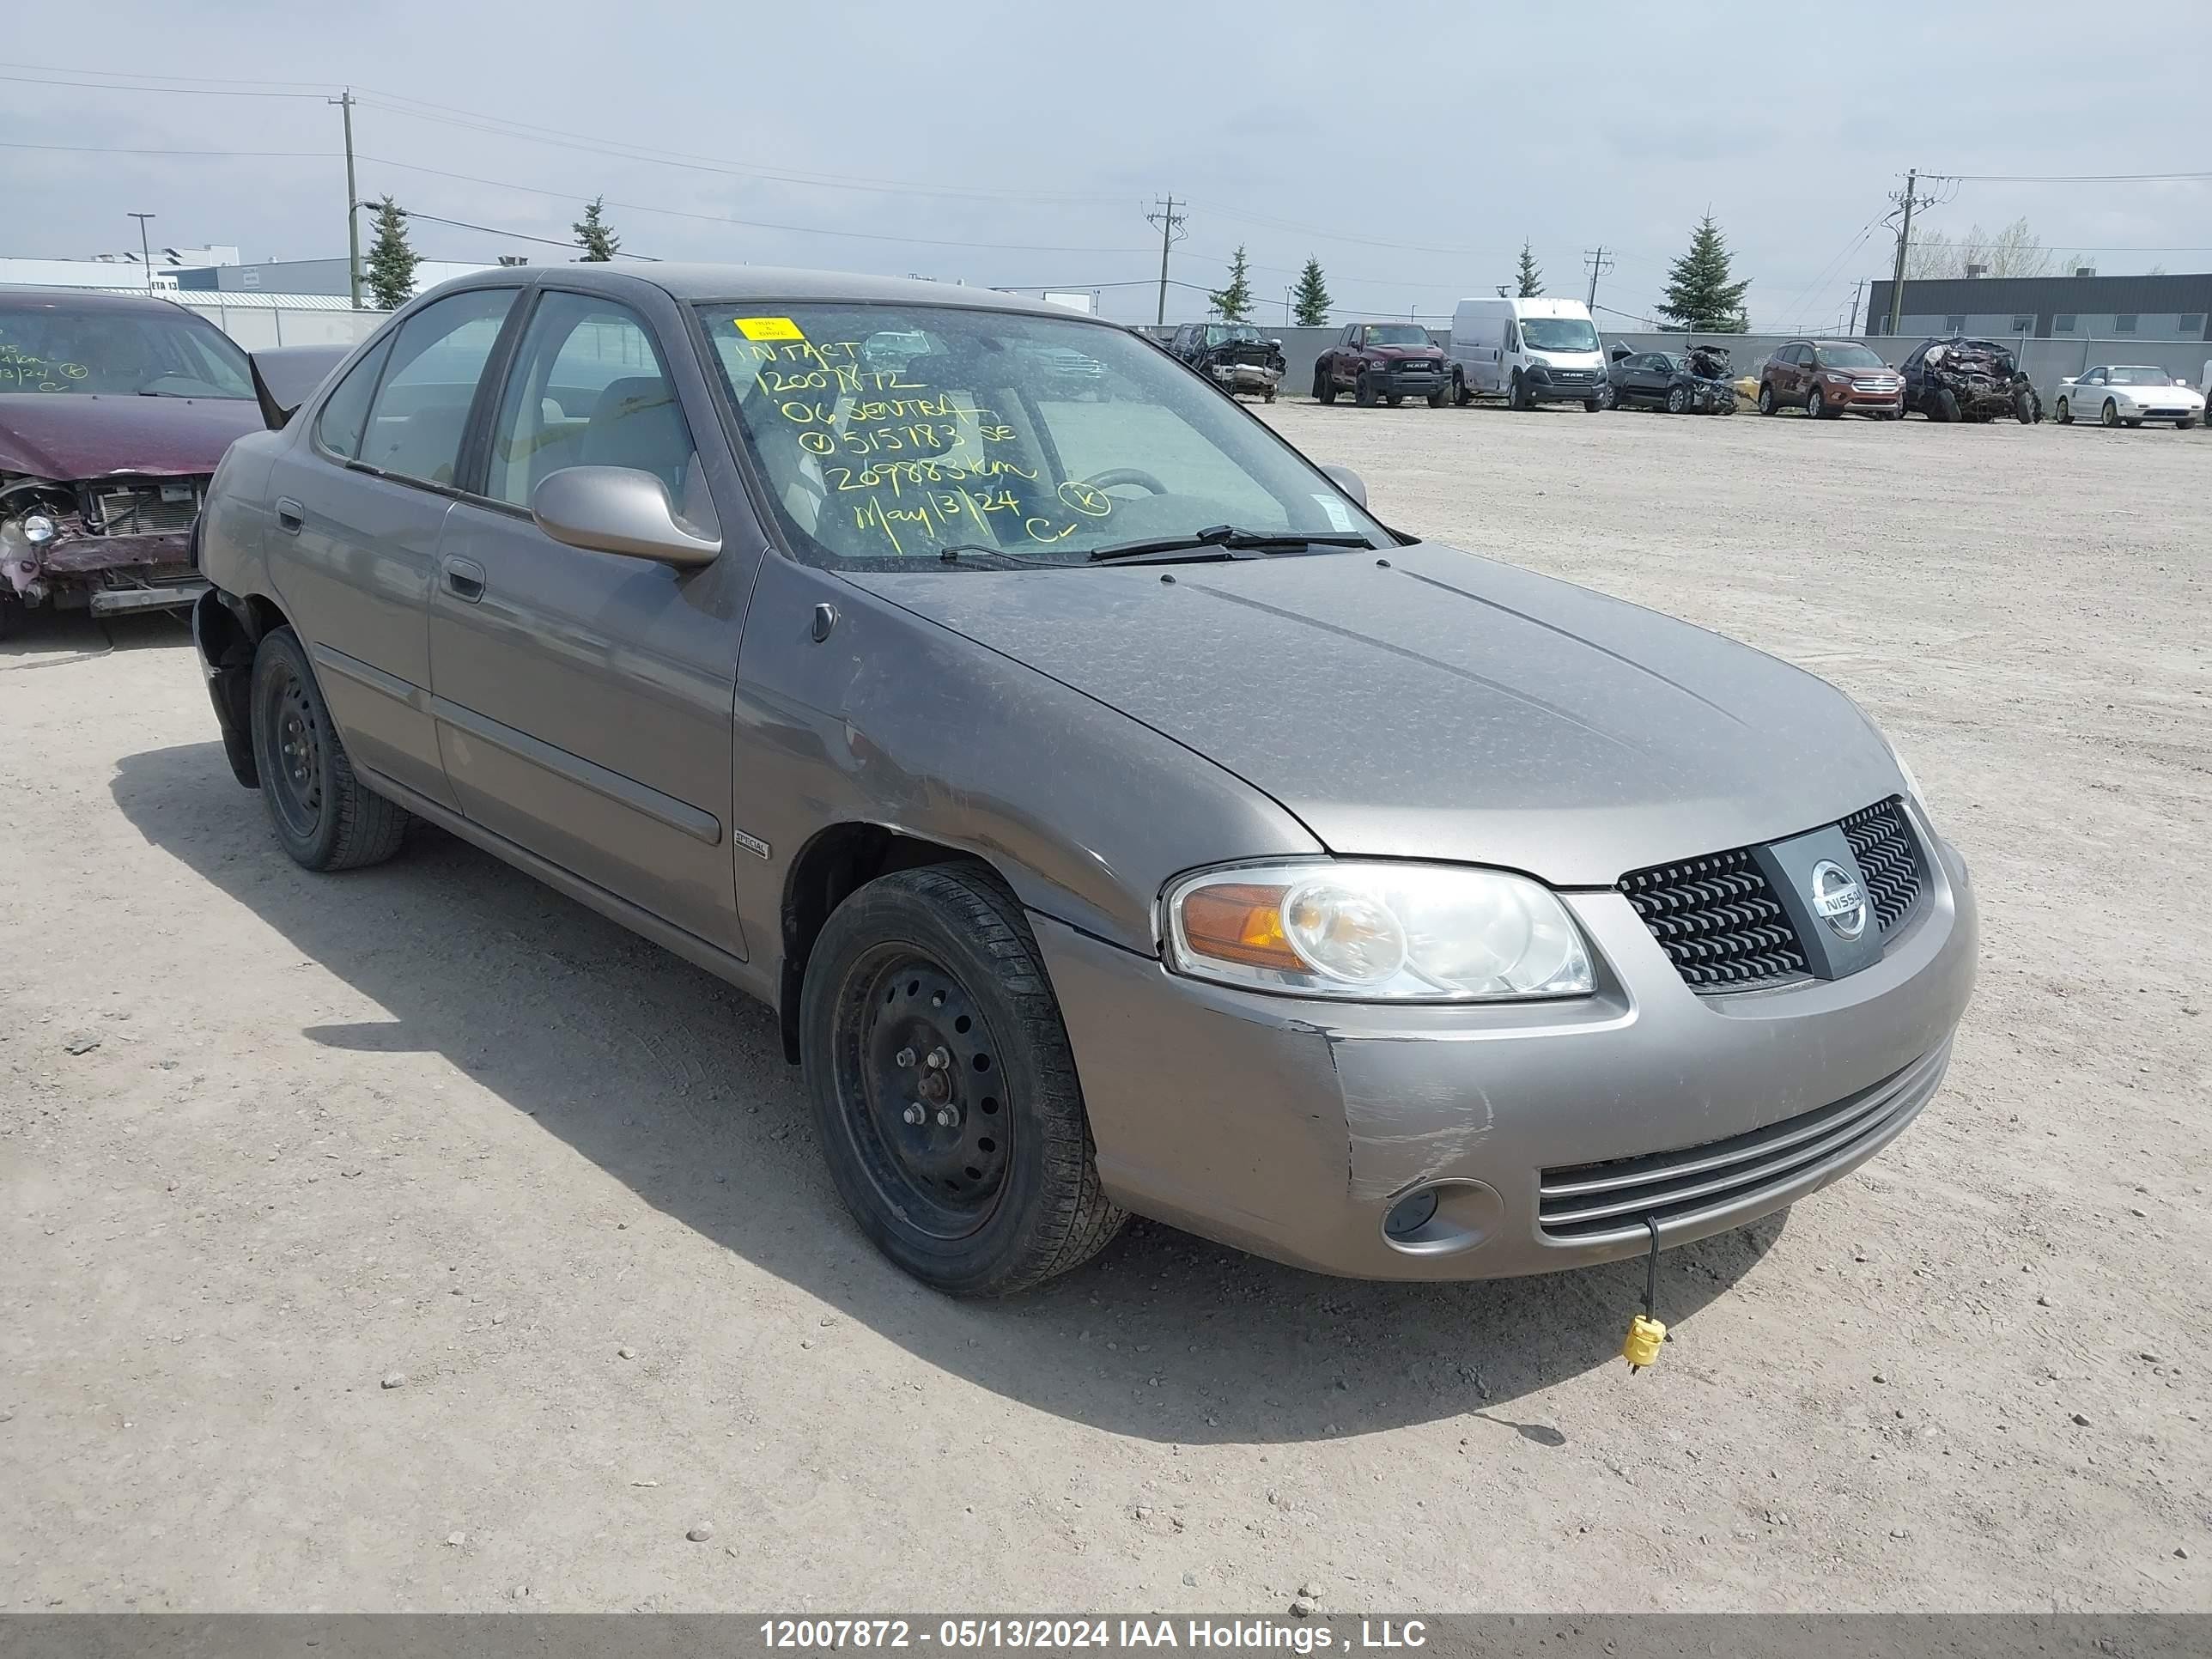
{"points": [[1104, 1635]]}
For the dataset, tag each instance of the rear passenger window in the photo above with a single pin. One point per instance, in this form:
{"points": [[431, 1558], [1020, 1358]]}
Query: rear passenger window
{"points": [[344, 415], [422, 407], [588, 389]]}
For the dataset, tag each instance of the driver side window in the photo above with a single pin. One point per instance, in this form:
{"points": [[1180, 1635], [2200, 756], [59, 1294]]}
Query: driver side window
{"points": [[589, 389]]}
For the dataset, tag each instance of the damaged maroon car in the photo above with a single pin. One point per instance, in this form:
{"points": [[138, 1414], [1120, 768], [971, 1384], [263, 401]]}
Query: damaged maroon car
{"points": [[114, 411]]}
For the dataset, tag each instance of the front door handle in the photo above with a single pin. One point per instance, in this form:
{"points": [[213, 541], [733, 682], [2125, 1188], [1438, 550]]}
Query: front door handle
{"points": [[290, 515], [464, 578]]}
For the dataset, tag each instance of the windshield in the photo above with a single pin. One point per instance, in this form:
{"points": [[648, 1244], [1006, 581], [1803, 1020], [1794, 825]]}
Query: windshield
{"points": [[1558, 334], [1225, 333], [1401, 334], [1846, 356], [887, 435], [57, 349], [2141, 376]]}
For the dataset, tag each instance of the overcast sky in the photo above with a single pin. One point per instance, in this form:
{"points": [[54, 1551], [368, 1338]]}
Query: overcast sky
{"points": [[1410, 146]]}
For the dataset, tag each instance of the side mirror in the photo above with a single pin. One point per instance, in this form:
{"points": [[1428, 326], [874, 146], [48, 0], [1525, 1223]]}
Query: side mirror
{"points": [[1620, 354], [618, 509], [1348, 481]]}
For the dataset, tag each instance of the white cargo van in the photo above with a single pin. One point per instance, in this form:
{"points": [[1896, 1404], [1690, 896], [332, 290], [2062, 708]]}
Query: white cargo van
{"points": [[1528, 351]]}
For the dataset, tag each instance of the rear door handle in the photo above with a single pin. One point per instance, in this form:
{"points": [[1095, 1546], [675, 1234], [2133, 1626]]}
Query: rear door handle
{"points": [[464, 578], [290, 515]]}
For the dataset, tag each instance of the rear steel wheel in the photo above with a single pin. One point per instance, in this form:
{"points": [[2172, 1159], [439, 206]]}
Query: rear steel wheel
{"points": [[326, 818]]}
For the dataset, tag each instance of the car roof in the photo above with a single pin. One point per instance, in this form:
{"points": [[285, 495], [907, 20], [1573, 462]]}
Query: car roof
{"points": [[86, 299], [743, 284]]}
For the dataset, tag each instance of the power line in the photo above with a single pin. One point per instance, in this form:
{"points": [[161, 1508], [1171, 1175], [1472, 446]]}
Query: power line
{"points": [[412, 215], [748, 224], [2070, 178], [118, 86]]}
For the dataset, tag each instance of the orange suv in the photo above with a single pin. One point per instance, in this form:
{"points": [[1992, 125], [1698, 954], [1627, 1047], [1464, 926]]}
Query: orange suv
{"points": [[1831, 377]]}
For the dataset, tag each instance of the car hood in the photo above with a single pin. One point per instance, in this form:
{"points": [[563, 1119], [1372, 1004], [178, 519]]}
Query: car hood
{"points": [[1405, 351], [67, 436], [1440, 706]]}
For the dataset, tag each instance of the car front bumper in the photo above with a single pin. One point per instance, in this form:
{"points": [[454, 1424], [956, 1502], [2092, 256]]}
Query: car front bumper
{"points": [[1247, 377], [1291, 1128], [1416, 379], [1549, 391]]}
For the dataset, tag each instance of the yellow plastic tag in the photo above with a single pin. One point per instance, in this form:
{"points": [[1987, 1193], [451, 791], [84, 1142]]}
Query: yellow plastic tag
{"points": [[769, 328], [1645, 1333]]}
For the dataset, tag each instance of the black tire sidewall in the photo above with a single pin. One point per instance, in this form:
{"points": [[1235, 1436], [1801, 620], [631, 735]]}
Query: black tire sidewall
{"points": [[899, 910], [279, 657]]}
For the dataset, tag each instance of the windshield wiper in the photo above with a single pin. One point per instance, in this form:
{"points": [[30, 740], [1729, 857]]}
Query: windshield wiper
{"points": [[1223, 541], [960, 550]]}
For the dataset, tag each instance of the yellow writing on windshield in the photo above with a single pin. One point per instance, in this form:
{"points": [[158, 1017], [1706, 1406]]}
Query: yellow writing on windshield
{"points": [[19, 370], [920, 459]]}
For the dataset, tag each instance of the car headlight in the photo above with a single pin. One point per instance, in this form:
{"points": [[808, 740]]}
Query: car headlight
{"points": [[38, 529], [1376, 931]]}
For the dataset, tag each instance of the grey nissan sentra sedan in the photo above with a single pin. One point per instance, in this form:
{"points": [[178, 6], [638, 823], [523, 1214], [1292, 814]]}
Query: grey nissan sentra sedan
{"points": [[1118, 815]]}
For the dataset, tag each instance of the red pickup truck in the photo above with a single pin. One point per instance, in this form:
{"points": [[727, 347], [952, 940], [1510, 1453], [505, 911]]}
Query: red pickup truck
{"points": [[1387, 361]]}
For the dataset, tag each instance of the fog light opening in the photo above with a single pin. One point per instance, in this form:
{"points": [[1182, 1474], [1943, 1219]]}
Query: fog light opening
{"points": [[1410, 1214]]}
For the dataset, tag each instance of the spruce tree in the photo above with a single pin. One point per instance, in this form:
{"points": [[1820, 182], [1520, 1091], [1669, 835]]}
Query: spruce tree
{"points": [[1310, 298], [1532, 278], [594, 235], [391, 270], [1700, 299], [1233, 304]]}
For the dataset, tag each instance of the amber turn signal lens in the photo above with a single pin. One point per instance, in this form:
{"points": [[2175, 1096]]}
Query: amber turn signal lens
{"points": [[1241, 922]]}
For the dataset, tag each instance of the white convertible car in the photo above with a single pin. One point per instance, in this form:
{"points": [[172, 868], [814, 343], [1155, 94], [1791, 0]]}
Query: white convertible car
{"points": [[2128, 394]]}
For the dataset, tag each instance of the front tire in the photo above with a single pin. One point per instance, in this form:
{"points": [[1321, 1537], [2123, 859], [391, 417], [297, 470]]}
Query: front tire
{"points": [[326, 818], [1766, 398], [1439, 397], [1677, 400], [1946, 403], [2066, 413], [2111, 414], [996, 1188], [1363, 391]]}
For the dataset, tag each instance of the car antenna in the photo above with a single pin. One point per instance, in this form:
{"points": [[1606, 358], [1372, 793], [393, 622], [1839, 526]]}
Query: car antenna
{"points": [[1645, 1333]]}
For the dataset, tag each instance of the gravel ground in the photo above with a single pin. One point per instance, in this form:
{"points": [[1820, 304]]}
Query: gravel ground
{"points": [[415, 1239]]}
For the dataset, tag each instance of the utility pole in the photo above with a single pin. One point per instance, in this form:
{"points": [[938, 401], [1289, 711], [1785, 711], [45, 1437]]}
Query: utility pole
{"points": [[145, 248], [1171, 224], [1599, 264], [344, 100], [1855, 286], [1911, 199]]}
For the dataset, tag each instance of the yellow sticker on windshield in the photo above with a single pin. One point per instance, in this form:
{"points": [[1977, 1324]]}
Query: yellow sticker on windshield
{"points": [[769, 328]]}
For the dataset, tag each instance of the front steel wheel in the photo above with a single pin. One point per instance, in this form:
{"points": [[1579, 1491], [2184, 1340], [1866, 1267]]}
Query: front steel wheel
{"points": [[943, 1089]]}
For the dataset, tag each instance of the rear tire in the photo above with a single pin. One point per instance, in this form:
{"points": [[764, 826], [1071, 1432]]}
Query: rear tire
{"points": [[1006, 1194], [326, 818]]}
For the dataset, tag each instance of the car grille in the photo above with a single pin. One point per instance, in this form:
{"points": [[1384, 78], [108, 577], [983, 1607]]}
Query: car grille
{"points": [[141, 512], [1873, 385], [1718, 922], [1721, 925], [1583, 1202], [1888, 861]]}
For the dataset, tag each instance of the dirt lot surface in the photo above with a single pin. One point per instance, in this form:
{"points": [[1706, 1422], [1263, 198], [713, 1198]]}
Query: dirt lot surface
{"points": [[414, 1238]]}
